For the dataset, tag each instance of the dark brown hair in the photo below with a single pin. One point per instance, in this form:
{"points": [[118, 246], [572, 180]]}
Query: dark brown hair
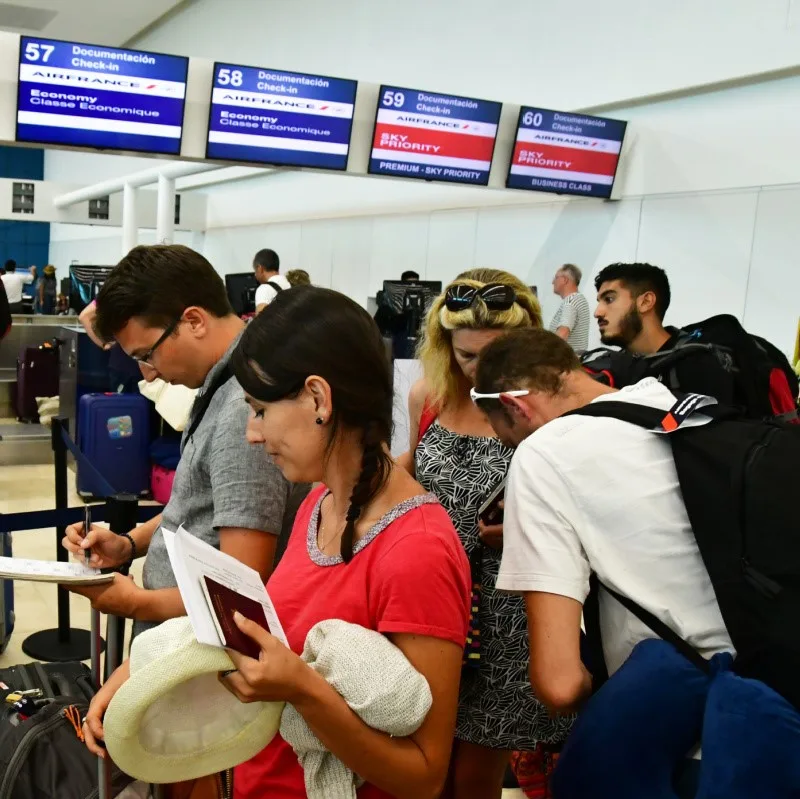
{"points": [[157, 284], [315, 331], [639, 278], [525, 358]]}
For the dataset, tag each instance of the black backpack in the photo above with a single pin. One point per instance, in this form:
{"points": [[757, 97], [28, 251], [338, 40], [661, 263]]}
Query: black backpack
{"points": [[764, 382], [45, 755], [737, 477]]}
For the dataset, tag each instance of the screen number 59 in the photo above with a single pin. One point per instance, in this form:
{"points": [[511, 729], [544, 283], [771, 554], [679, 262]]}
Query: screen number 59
{"points": [[393, 99]]}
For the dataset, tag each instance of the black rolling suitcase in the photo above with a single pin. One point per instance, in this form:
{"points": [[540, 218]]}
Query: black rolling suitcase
{"points": [[37, 376]]}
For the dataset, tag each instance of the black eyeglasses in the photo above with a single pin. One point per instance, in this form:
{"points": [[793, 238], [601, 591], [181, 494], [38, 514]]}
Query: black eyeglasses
{"points": [[147, 358], [496, 297]]}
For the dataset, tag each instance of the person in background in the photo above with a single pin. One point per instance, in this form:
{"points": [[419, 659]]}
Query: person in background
{"points": [[389, 322], [47, 291], [322, 403], [572, 319], [167, 308], [632, 300], [5, 313], [298, 277], [266, 265], [589, 495], [123, 371], [455, 454], [14, 282]]}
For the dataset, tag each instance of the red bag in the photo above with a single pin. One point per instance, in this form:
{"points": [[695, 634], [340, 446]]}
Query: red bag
{"points": [[161, 480]]}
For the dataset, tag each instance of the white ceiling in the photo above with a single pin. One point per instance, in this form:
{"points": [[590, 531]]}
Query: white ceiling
{"points": [[109, 22]]}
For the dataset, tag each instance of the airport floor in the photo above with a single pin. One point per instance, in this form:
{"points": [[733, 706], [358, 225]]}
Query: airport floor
{"points": [[28, 488]]}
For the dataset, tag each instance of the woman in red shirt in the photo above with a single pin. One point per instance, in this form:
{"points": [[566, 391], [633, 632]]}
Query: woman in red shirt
{"points": [[369, 546]]}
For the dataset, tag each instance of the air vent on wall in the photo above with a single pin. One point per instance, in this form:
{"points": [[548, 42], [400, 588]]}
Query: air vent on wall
{"points": [[98, 209], [25, 18], [22, 198]]}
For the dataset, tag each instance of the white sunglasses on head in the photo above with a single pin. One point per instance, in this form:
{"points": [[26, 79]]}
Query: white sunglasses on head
{"points": [[477, 396]]}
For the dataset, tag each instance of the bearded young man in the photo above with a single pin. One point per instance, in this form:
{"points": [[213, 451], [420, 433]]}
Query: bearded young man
{"points": [[632, 300]]}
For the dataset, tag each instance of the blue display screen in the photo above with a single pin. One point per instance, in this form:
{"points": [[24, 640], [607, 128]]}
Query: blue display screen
{"points": [[565, 153], [88, 95], [265, 116]]}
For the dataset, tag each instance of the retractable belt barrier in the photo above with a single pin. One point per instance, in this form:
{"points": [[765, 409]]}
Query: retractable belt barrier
{"points": [[121, 511]]}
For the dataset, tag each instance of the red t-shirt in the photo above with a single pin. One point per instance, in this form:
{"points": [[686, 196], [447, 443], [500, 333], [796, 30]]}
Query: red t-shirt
{"points": [[409, 574]]}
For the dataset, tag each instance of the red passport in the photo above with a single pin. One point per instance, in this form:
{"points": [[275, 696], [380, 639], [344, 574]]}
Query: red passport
{"points": [[224, 602]]}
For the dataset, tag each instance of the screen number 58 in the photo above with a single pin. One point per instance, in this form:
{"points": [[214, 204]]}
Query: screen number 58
{"points": [[229, 77]]}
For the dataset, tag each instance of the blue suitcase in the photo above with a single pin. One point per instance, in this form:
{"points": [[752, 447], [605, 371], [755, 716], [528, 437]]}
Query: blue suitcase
{"points": [[114, 435], [6, 597]]}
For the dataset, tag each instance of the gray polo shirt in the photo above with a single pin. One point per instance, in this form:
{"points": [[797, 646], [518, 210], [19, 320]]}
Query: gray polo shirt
{"points": [[221, 481]]}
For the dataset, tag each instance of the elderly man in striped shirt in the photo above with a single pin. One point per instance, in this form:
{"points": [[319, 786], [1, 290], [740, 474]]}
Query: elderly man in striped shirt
{"points": [[572, 319]]}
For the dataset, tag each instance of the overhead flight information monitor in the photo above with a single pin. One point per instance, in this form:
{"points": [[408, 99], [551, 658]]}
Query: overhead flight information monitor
{"points": [[269, 117], [93, 96], [434, 136], [565, 153]]}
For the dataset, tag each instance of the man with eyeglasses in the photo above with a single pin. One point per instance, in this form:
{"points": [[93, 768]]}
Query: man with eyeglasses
{"points": [[167, 308]]}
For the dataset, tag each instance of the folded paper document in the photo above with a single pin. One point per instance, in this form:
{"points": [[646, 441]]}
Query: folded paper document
{"points": [[51, 571], [213, 586]]}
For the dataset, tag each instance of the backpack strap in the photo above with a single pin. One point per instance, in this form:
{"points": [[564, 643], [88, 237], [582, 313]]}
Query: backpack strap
{"points": [[201, 403], [660, 629], [427, 418], [277, 286], [654, 418]]}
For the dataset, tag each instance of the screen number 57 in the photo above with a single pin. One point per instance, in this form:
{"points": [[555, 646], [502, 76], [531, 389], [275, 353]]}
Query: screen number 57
{"points": [[34, 51]]}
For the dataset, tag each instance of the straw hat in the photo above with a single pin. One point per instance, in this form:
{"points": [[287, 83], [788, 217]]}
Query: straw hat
{"points": [[173, 720]]}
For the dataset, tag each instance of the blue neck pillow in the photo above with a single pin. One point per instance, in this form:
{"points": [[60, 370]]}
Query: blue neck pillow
{"points": [[751, 742], [638, 729]]}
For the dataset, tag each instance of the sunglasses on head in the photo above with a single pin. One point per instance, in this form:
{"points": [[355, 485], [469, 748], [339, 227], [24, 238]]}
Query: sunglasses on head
{"points": [[491, 402], [495, 296]]}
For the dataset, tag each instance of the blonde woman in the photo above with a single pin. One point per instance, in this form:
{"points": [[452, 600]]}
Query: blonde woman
{"points": [[298, 277], [455, 454]]}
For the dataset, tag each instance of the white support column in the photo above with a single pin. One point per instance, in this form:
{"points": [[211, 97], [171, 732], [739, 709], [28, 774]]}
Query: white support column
{"points": [[130, 228], [165, 213]]}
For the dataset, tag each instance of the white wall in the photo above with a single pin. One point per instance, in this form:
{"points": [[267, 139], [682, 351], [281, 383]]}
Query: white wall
{"points": [[725, 252], [561, 55], [90, 244], [710, 184]]}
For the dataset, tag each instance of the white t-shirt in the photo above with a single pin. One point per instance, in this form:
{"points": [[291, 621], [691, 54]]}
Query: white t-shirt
{"points": [[265, 293], [13, 282], [590, 494]]}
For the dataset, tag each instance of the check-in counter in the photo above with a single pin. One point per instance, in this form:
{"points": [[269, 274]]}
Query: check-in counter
{"points": [[24, 443], [26, 331]]}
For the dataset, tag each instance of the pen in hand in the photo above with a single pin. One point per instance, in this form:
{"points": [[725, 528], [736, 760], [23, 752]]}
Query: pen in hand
{"points": [[87, 525]]}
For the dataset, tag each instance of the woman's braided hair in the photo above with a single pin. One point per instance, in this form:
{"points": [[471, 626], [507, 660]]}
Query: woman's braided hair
{"points": [[324, 333]]}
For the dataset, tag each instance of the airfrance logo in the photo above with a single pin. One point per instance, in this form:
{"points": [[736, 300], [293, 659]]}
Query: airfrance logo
{"points": [[561, 139], [436, 123], [93, 80], [275, 102]]}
